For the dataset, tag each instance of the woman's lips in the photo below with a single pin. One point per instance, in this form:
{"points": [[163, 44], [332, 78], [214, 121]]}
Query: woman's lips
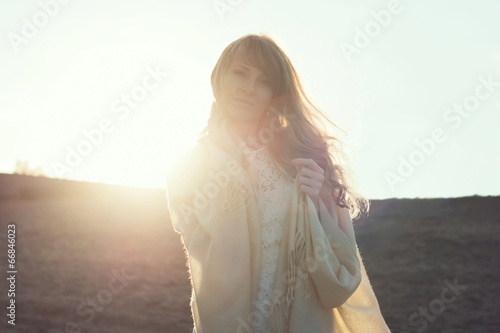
{"points": [[241, 101]]}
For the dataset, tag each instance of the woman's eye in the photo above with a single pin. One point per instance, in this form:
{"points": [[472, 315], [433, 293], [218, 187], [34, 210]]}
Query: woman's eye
{"points": [[239, 73]]}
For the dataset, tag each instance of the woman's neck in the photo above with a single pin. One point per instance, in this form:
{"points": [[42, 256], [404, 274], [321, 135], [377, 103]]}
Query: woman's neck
{"points": [[247, 131]]}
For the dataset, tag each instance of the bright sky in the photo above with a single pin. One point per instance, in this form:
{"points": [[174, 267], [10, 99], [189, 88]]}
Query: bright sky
{"points": [[419, 74]]}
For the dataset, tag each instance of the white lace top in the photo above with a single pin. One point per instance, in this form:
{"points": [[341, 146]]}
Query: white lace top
{"points": [[274, 194]]}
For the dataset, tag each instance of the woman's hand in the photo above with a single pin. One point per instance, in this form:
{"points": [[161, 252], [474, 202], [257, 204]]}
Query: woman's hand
{"points": [[311, 179]]}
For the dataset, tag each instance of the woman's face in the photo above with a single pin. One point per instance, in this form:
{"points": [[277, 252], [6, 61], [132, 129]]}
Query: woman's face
{"points": [[246, 91]]}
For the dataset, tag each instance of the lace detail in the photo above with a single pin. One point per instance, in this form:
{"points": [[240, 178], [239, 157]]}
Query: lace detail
{"points": [[273, 192]]}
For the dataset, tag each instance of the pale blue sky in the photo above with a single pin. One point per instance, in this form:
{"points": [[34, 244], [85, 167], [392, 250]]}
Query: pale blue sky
{"points": [[69, 72]]}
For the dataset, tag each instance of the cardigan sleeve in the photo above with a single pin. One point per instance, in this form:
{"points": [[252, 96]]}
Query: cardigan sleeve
{"points": [[216, 243], [181, 179], [208, 234], [335, 267]]}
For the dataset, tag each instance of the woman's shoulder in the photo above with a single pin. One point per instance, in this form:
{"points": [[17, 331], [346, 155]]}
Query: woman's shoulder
{"points": [[198, 152], [189, 169]]}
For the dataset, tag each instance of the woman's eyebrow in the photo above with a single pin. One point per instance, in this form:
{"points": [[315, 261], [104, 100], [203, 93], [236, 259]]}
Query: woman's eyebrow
{"points": [[247, 68]]}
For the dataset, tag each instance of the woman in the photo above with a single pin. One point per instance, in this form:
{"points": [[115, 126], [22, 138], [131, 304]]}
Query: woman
{"points": [[264, 207]]}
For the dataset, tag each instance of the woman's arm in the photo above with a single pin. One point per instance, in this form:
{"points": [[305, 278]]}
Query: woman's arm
{"points": [[216, 241], [334, 264], [336, 270]]}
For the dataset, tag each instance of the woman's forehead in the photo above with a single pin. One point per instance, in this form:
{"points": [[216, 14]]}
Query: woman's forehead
{"points": [[245, 59]]}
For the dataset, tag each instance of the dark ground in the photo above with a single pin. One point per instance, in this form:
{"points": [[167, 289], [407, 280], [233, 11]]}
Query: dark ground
{"points": [[71, 237]]}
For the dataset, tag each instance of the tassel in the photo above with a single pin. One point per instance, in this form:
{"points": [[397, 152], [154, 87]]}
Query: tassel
{"points": [[300, 260], [306, 288], [296, 257], [280, 312]]}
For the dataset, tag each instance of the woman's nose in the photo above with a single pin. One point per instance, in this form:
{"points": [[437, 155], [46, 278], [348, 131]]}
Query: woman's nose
{"points": [[249, 86]]}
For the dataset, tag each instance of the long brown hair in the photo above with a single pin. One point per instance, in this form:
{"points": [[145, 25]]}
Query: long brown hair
{"points": [[302, 125]]}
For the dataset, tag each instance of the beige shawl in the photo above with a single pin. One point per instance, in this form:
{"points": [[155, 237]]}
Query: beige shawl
{"points": [[320, 284]]}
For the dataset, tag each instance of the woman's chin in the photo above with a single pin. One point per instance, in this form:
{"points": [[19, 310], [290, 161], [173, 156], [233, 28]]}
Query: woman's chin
{"points": [[242, 115]]}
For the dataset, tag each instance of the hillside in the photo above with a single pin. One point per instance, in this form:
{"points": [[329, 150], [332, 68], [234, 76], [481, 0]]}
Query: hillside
{"points": [[73, 238]]}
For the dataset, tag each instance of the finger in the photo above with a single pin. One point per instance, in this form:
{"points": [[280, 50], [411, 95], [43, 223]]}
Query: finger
{"points": [[305, 171], [310, 163], [313, 193], [312, 183]]}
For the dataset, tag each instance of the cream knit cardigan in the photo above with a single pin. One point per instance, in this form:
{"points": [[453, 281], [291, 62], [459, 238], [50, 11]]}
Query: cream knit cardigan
{"points": [[321, 284]]}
